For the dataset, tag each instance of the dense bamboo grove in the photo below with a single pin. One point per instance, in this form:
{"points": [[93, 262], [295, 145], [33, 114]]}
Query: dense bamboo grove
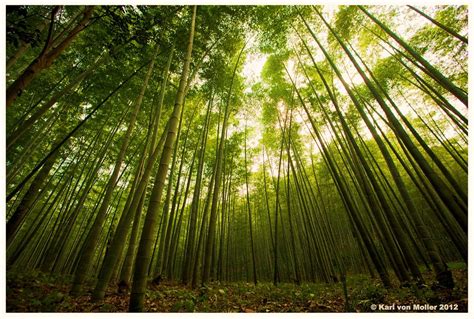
{"points": [[224, 143]]}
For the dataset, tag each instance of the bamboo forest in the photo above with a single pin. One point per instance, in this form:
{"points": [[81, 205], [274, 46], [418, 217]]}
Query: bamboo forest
{"points": [[236, 158]]}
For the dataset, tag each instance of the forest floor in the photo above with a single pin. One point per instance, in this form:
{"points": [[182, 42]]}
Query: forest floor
{"points": [[39, 292]]}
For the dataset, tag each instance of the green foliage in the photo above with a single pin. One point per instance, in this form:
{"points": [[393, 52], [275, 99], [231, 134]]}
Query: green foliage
{"points": [[387, 71], [372, 294], [348, 21], [457, 265], [275, 21], [22, 24], [183, 306], [431, 39]]}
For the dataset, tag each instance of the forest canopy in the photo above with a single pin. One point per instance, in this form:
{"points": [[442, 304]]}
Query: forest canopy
{"points": [[201, 144]]}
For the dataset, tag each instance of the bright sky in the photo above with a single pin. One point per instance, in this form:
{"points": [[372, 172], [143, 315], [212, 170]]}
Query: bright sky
{"points": [[252, 69], [251, 72]]}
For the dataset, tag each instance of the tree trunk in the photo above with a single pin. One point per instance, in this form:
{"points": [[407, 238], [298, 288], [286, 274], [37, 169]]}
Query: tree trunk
{"points": [[252, 245], [217, 184], [146, 241], [430, 70], [90, 245], [45, 59]]}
